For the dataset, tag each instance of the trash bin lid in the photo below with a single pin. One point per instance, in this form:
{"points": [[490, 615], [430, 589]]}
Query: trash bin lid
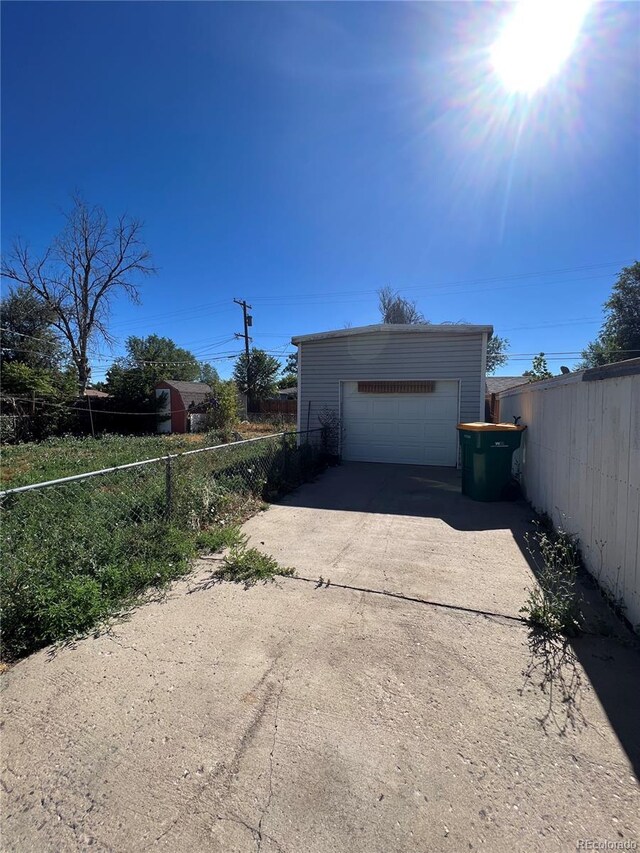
{"points": [[481, 426]]}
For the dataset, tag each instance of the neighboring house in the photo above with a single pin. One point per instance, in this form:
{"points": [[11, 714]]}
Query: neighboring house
{"points": [[399, 390], [287, 393], [496, 384], [95, 394], [180, 401]]}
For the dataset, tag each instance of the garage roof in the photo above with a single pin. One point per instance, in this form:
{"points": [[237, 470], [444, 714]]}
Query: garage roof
{"points": [[408, 329]]}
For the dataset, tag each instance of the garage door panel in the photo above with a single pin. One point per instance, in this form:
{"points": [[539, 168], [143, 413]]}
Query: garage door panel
{"points": [[412, 430], [403, 428], [360, 408], [384, 408]]}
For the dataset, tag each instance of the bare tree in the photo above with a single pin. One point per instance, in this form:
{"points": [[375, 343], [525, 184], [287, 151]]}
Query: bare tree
{"points": [[395, 309], [80, 273]]}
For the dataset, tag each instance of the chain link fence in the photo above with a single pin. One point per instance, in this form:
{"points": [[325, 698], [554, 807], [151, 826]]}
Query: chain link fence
{"points": [[75, 548]]}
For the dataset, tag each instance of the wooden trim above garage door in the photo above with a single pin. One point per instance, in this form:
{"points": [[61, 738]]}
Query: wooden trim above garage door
{"points": [[405, 387]]}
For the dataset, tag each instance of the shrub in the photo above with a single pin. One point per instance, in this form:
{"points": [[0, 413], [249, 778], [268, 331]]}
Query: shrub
{"points": [[222, 407]]}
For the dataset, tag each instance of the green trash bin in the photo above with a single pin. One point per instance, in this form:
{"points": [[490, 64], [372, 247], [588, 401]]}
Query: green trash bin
{"points": [[486, 451]]}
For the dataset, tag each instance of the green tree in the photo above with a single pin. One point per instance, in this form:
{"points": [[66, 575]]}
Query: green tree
{"points": [[496, 353], [132, 378], [619, 337], [37, 387], [396, 309], [539, 369], [289, 371], [85, 267], [222, 405], [208, 374], [257, 378], [28, 335]]}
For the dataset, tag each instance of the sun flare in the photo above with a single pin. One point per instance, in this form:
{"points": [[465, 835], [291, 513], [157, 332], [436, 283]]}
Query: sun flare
{"points": [[536, 41]]}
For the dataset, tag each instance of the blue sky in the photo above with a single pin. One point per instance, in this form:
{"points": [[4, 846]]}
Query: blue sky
{"points": [[304, 155]]}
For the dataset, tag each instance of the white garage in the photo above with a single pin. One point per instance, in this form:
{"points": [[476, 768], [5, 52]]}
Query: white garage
{"points": [[409, 422], [398, 390]]}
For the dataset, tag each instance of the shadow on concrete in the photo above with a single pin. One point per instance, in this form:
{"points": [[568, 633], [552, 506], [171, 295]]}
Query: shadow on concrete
{"points": [[409, 490], [554, 670], [612, 665], [608, 651]]}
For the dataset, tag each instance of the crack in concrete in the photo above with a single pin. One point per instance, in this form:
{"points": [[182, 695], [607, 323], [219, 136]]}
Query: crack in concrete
{"points": [[156, 660], [226, 770], [488, 614], [240, 822], [163, 833], [257, 836], [113, 639], [273, 748]]}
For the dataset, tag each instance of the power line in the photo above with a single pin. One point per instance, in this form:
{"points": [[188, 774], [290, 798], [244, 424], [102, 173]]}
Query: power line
{"points": [[446, 285], [136, 362], [178, 312], [320, 299], [199, 309]]}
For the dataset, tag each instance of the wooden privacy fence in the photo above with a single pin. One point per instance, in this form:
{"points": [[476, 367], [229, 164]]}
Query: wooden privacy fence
{"points": [[580, 463], [274, 407]]}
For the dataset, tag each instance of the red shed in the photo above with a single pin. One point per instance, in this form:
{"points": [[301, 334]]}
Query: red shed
{"points": [[179, 398]]}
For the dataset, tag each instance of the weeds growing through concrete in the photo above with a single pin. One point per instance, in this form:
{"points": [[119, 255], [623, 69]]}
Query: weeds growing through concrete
{"points": [[248, 566], [554, 606]]}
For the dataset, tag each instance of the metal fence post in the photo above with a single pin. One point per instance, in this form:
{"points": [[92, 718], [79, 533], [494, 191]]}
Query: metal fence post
{"points": [[284, 456], [168, 489]]}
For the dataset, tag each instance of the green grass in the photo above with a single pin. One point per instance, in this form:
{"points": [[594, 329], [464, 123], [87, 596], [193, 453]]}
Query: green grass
{"points": [[24, 464], [77, 553]]}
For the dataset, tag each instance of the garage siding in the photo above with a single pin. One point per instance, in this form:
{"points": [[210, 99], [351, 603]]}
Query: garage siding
{"points": [[323, 363]]}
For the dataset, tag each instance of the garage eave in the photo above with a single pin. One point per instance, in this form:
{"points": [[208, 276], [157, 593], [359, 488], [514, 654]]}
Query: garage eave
{"points": [[397, 329]]}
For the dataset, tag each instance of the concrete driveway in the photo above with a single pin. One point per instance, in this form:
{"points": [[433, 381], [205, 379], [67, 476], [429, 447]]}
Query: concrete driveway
{"points": [[406, 529], [350, 717]]}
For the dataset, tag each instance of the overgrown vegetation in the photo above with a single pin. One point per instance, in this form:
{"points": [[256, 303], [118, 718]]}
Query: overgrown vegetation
{"points": [[553, 606], [222, 408], [248, 566], [23, 464], [76, 553], [32, 367]]}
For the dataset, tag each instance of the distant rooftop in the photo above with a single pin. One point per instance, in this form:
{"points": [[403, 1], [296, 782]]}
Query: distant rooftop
{"points": [[398, 328], [495, 384], [192, 393]]}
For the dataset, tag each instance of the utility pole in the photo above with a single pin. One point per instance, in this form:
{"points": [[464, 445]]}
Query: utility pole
{"points": [[248, 321]]}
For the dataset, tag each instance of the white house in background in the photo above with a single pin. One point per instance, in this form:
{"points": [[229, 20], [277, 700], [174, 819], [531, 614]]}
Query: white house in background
{"points": [[399, 390]]}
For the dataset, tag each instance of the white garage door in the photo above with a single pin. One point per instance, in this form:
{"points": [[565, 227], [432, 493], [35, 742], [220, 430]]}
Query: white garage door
{"points": [[414, 428]]}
